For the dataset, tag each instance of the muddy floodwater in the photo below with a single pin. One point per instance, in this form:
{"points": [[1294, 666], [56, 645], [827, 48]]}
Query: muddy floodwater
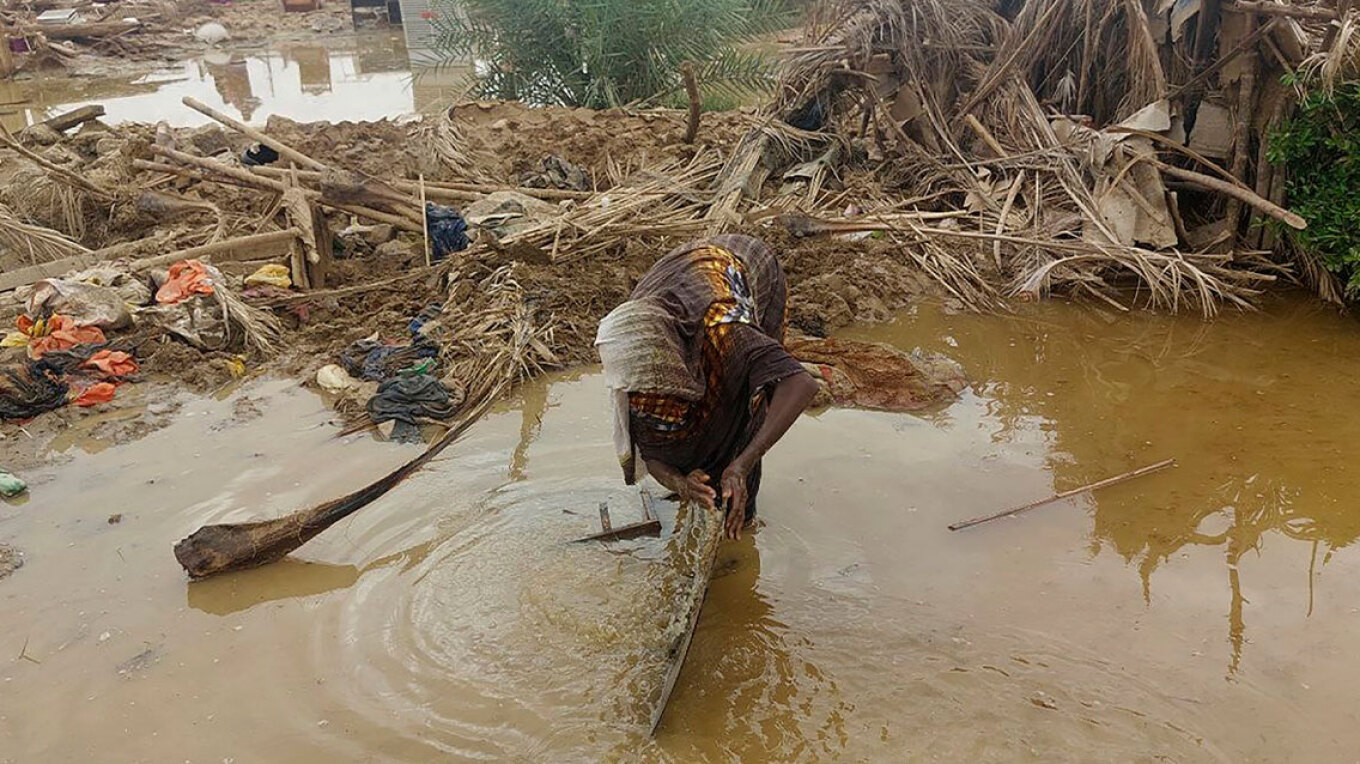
{"points": [[1206, 613], [370, 77]]}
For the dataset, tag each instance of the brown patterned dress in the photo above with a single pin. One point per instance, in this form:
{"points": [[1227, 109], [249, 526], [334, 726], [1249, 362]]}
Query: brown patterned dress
{"points": [[728, 296]]}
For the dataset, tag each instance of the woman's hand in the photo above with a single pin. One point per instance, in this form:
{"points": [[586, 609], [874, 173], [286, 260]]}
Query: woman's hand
{"points": [[697, 490], [734, 496]]}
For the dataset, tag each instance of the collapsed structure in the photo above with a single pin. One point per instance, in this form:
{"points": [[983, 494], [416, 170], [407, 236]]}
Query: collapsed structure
{"points": [[982, 151]]}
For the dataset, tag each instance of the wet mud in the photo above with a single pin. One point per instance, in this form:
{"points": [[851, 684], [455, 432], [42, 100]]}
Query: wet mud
{"points": [[1201, 614]]}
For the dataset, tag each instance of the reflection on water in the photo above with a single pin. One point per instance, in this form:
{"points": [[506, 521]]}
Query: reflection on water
{"points": [[375, 80], [1251, 406], [453, 617]]}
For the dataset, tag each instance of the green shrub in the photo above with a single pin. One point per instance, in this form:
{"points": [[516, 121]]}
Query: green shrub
{"points": [[606, 53], [1320, 149]]}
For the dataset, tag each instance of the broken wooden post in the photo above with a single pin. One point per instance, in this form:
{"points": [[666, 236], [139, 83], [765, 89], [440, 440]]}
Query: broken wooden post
{"points": [[67, 120], [650, 525], [6, 56], [695, 105], [1246, 105]]}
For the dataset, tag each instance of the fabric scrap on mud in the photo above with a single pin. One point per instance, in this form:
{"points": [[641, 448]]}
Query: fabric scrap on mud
{"points": [[186, 278], [409, 399]]}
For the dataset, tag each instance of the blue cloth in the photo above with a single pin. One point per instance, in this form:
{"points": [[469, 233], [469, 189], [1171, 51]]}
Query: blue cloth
{"points": [[447, 229]]}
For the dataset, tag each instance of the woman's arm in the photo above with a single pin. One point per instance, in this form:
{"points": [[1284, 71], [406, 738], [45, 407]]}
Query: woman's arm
{"points": [[691, 487], [791, 397]]}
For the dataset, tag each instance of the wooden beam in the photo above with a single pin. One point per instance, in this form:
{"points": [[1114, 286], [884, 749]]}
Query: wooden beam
{"points": [[241, 248], [285, 151], [6, 57], [1275, 9], [94, 30], [67, 120]]}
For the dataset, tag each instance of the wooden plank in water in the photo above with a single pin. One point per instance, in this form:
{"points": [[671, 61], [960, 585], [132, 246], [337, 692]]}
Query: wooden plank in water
{"points": [[676, 659], [649, 526]]}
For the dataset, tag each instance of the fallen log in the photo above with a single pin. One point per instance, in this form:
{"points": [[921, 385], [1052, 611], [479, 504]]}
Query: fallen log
{"points": [[94, 30], [1247, 196], [65, 121], [215, 549]]}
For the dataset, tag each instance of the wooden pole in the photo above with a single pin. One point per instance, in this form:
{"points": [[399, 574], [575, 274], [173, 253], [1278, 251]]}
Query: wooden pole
{"points": [[1275, 9], [1246, 103], [1148, 470], [285, 151], [6, 56], [244, 245], [695, 106], [1237, 192], [425, 222]]}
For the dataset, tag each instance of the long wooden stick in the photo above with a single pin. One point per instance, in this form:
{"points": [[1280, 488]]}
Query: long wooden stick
{"points": [[1141, 471], [1245, 195], [1275, 9], [228, 174], [285, 151]]}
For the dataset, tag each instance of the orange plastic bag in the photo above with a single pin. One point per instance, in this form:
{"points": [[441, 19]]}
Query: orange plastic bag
{"points": [[186, 279], [62, 334], [100, 392], [112, 363]]}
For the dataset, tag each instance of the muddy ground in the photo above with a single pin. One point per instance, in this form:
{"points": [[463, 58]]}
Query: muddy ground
{"points": [[377, 284]]}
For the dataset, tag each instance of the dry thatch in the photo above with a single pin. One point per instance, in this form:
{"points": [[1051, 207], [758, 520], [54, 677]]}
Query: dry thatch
{"points": [[34, 243], [1061, 130]]}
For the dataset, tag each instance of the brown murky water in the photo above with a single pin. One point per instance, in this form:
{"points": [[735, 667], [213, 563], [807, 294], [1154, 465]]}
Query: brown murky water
{"points": [[371, 77], [1202, 614]]}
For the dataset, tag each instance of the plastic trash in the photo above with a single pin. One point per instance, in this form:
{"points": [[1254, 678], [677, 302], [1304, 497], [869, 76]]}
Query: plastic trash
{"points": [[334, 379], [11, 485], [83, 304], [271, 275], [57, 333], [212, 33]]}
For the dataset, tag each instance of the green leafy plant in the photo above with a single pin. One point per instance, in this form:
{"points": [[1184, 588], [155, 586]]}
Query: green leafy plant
{"points": [[607, 53], [1320, 149]]}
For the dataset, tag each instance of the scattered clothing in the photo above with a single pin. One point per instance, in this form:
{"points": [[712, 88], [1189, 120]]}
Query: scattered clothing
{"points": [[27, 391], [187, 278], [95, 394], [56, 333], [373, 360], [447, 230], [112, 364], [408, 400]]}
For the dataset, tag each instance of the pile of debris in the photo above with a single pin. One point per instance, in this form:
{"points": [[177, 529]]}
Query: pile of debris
{"points": [[1065, 145], [977, 151]]}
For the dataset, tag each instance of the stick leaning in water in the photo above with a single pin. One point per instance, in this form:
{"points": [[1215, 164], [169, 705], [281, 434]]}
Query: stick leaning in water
{"points": [[215, 549], [1141, 471]]}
